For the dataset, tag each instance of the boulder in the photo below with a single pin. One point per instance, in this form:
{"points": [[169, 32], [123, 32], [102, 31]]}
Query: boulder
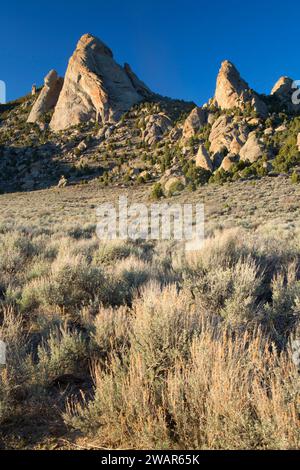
{"points": [[194, 122], [233, 92], [284, 90], [48, 97], [211, 118], [156, 126], [203, 159], [281, 128], [175, 134], [96, 88], [253, 121], [253, 149], [228, 133], [269, 131], [298, 141], [82, 146], [63, 182], [268, 166], [235, 145], [173, 182], [229, 161]]}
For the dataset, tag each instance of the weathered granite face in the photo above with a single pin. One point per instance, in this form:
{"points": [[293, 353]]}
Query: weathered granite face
{"points": [[228, 133], [284, 89], [95, 87], [253, 149], [156, 126], [234, 92], [203, 159], [194, 122], [48, 97]]}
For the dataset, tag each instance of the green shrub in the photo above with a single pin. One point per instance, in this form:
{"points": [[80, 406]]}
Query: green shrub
{"points": [[157, 192], [195, 176], [295, 178], [64, 352], [140, 180], [113, 251], [73, 286], [220, 176], [288, 155], [175, 188]]}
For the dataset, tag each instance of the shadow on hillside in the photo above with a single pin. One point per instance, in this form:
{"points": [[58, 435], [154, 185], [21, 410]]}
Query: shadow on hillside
{"points": [[41, 167], [12, 105]]}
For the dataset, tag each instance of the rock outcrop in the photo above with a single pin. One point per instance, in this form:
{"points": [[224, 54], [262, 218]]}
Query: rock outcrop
{"points": [[194, 122], [48, 97], [174, 182], [228, 133], [96, 88], [253, 149], [233, 92], [229, 161], [203, 159], [284, 90], [156, 126], [175, 134]]}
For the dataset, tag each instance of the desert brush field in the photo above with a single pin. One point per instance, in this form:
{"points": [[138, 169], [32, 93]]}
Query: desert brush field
{"points": [[140, 345]]}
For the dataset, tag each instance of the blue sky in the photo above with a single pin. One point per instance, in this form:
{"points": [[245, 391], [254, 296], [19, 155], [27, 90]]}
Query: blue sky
{"points": [[175, 46]]}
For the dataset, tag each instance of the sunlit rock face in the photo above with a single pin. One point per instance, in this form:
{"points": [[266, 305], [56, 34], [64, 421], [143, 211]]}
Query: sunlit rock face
{"points": [[96, 87], [234, 92], [48, 97]]}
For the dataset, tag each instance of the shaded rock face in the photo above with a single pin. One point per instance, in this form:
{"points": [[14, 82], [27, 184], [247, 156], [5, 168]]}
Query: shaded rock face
{"points": [[175, 134], [234, 92], [253, 149], [48, 97], [96, 88], [194, 122], [229, 161], [156, 126], [139, 86], [203, 159], [227, 133], [284, 90]]}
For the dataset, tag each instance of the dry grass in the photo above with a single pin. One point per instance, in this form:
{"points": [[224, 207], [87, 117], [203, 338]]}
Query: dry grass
{"points": [[224, 393], [185, 351]]}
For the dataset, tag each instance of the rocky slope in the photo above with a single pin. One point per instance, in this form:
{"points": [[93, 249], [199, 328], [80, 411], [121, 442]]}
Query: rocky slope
{"points": [[101, 121]]}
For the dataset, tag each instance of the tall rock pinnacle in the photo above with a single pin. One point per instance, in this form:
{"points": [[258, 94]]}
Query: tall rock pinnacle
{"points": [[234, 92], [284, 90], [96, 87], [48, 97]]}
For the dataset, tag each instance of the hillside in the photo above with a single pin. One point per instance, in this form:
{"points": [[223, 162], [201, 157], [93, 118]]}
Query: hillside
{"points": [[101, 122]]}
